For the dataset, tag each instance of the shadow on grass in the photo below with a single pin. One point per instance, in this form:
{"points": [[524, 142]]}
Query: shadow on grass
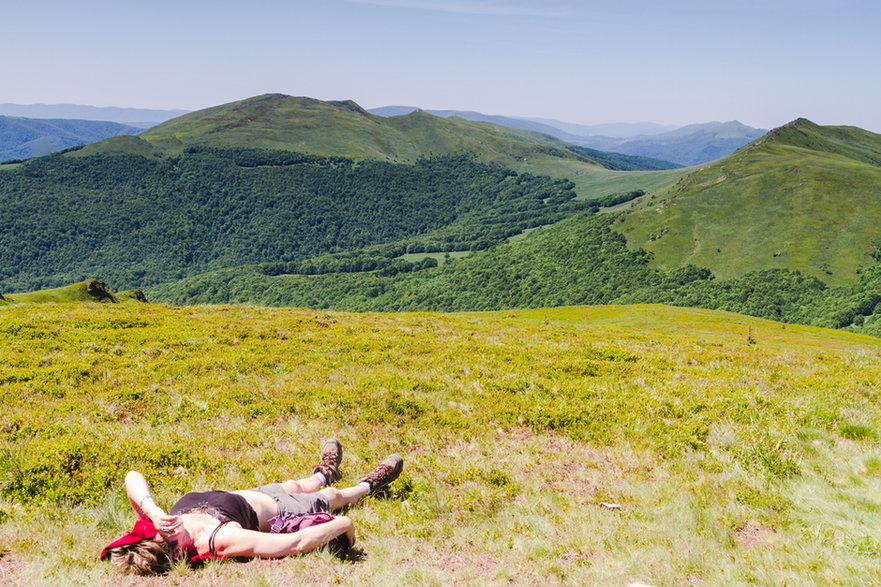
{"points": [[352, 556]]}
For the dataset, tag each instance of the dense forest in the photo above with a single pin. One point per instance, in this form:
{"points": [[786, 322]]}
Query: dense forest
{"points": [[135, 221], [578, 261]]}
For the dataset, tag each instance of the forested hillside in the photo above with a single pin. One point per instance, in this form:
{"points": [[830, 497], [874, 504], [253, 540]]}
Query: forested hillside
{"points": [[578, 261], [133, 220]]}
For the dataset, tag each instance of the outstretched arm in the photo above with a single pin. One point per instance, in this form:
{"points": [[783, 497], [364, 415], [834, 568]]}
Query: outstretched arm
{"points": [[141, 499], [233, 541]]}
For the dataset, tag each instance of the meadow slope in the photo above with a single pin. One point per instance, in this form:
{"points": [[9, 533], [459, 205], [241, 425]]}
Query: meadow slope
{"points": [[803, 197], [578, 445]]}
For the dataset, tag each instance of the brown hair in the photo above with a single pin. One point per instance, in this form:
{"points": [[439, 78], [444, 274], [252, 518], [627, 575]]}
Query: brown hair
{"points": [[145, 557]]}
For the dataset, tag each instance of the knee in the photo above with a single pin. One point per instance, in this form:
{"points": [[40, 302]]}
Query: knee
{"points": [[292, 486], [331, 493]]}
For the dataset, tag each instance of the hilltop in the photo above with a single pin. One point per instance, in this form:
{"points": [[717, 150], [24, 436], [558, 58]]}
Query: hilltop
{"points": [[90, 290], [344, 129], [804, 197]]}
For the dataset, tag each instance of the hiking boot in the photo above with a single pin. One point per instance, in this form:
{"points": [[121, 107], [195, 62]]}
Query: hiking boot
{"points": [[331, 456], [384, 473]]}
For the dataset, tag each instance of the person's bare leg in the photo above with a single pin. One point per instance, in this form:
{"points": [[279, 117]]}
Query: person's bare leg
{"points": [[340, 498], [310, 484]]}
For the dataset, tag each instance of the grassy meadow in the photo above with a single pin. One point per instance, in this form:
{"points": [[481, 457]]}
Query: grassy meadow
{"points": [[593, 181], [581, 445]]}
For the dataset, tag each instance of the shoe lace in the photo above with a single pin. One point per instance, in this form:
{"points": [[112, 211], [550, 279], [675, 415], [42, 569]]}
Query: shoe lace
{"points": [[329, 459], [379, 473]]}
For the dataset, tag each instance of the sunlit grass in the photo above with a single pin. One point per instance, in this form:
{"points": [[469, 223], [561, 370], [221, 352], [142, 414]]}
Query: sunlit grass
{"points": [[598, 445]]}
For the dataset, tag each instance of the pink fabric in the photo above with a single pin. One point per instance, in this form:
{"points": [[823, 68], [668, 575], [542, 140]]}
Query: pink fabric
{"points": [[291, 523], [143, 529]]}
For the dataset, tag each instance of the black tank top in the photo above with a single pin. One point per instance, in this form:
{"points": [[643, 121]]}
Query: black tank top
{"points": [[223, 505]]}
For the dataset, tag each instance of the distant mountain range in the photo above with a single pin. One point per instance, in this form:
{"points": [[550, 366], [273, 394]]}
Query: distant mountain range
{"points": [[694, 144], [138, 117], [21, 138], [656, 146], [689, 145], [549, 126]]}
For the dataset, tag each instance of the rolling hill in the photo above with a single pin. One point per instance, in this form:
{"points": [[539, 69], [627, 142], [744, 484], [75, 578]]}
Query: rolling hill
{"points": [[194, 194], [804, 197], [345, 129], [90, 290]]}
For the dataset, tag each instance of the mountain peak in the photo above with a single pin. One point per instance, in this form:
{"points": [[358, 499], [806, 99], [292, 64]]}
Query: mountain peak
{"points": [[851, 142]]}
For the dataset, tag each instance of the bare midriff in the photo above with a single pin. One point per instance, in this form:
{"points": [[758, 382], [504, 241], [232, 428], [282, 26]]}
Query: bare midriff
{"points": [[264, 506]]}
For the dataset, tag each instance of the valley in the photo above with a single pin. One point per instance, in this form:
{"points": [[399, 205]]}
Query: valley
{"points": [[329, 206]]}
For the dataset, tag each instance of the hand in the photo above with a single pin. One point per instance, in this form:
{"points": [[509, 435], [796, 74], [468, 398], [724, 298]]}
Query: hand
{"points": [[169, 526]]}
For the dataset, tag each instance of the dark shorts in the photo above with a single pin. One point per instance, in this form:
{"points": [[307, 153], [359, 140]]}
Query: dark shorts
{"points": [[297, 503]]}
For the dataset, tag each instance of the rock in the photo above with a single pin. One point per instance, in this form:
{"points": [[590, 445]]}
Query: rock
{"points": [[134, 294], [98, 290]]}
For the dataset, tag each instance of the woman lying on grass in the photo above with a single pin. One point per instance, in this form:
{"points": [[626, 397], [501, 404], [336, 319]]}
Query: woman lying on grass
{"points": [[221, 524]]}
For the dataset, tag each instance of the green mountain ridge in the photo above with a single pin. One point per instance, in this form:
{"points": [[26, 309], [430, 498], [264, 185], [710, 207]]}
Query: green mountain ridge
{"points": [[344, 129], [804, 197], [579, 260]]}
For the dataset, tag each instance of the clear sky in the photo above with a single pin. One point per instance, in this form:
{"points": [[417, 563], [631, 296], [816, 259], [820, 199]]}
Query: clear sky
{"points": [[763, 62]]}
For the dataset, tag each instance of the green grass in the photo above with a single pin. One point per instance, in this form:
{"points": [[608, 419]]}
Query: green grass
{"points": [[802, 198], [592, 181], [121, 145], [441, 258], [739, 450], [75, 292]]}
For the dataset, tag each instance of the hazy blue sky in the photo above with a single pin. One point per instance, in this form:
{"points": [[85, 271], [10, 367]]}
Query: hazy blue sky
{"points": [[763, 62]]}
